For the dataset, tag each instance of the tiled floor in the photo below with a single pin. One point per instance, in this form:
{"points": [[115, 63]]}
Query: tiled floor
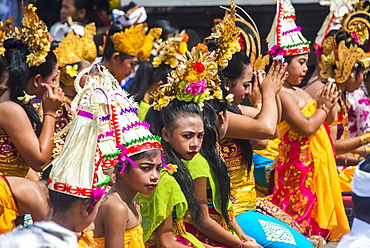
{"points": [[331, 245]]}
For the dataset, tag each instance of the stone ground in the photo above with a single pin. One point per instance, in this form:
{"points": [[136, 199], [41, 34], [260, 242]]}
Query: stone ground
{"points": [[331, 245]]}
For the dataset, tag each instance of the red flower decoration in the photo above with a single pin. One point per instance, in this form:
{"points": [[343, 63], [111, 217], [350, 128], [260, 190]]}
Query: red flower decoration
{"points": [[240, 41], [199, 67]]}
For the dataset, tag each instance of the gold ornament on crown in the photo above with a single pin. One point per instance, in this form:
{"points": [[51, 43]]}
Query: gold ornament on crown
{"points": [[227, 34], [196, 80], [344, 58], [74, 48], [170, 51], [6, 29], [134, 41], [34, 33]]}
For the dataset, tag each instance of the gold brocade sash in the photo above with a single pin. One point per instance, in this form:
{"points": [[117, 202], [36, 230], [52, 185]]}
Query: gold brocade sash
{"points": [[216, 217]]}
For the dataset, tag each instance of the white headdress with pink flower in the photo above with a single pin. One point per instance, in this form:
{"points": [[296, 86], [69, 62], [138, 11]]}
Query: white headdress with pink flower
{"points": [[285, 34]]}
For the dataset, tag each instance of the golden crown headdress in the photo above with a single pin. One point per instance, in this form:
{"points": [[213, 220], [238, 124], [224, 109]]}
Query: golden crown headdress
{"points": [[74, 48], [227, 34], [34, 33], [196, 80], [170, 51], [356, 24], [134, 41], [6, 29]]}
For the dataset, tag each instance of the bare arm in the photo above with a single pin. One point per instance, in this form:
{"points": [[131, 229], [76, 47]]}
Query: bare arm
{"points": [[165, 235], [15, 122], [263, 125]]}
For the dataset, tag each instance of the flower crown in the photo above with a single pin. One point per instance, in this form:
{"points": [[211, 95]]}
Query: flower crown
{"points": [[194, 80], [170, 51], [134, 42], [34, 33], [227, 34]]}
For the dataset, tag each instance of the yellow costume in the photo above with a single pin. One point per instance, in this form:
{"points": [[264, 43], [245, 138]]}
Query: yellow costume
{"points": [[11, 162], [8, 207], [306, 180], [133, 238], [87, 240]]}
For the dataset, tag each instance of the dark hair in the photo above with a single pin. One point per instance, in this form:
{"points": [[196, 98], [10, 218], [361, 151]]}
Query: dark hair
{"points": [[166, 118], [146, 154], [145, 77], [20, 75], [109, 45], [61, 202], [211, 110], [91, 7], [167, 28], [234, 71]]}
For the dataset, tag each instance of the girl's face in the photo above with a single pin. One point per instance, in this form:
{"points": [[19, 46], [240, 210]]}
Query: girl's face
{"points": [[297, 69], [355, 81], [126, 67], [186, 137], [53, 77], [144, 179], [242, 86]]}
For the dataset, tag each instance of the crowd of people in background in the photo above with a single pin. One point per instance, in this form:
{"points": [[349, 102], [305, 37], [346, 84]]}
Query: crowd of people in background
{"points": [[116, 132]]}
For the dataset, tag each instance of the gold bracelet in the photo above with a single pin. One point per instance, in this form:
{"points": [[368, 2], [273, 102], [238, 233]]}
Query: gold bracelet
{"points": [[323, 108], [364, 139], [258, 105], [367, 149]]}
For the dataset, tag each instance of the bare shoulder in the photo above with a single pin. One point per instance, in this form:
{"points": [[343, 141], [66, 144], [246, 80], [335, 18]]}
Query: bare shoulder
{"points": [[11, 113], [113, 204], [25, 190]]}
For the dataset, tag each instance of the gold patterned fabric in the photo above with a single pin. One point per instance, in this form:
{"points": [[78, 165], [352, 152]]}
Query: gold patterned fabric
{"points": [[242, 184], [87, 240], [133, 238], [11, 162], [62, 117]]}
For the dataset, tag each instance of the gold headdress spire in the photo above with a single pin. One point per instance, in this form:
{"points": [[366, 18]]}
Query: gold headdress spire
{"points": [[226, 33], [34, 33], [133, 41], [196, 80], [170, 51]]}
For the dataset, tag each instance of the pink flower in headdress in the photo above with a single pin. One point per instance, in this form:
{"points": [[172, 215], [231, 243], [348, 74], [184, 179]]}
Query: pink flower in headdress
{"points": [[276, 51], [96, 195], [355, 37], [196, 88], [319, 51], [122, 157]]}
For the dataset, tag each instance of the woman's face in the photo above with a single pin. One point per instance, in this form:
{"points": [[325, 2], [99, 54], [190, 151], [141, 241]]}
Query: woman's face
{"points": [[125, 68], [68, 9], [186, 138], [355, 80], [242, 86], [297, 69], [145, 178]]}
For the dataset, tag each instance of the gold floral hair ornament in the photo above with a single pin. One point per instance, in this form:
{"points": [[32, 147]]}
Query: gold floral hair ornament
{"points": [[34, 33], [196, 80], [227, 34], [170, 51], [133, 41], [6, 29], [344, 58], [74, 48]]}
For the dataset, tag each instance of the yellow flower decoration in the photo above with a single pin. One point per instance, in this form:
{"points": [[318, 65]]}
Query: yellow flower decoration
{"points": [[173, 168], [26, 98], [230, 97], [72, 70]]}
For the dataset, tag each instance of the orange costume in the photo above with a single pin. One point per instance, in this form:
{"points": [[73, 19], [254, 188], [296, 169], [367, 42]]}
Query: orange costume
{"points": [[8, 206], [133, 238]]}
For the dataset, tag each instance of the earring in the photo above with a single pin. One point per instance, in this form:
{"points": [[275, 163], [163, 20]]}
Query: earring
{"points": [[227, 88], [352, 74], [86, 214]]}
